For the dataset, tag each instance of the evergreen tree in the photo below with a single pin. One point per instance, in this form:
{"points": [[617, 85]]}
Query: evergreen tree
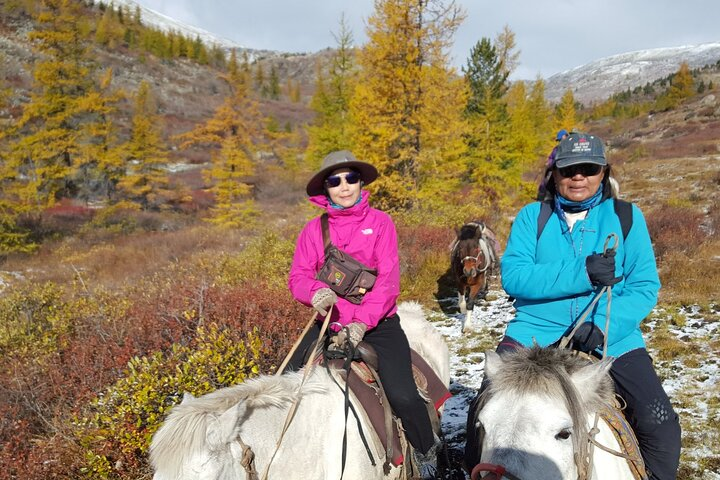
{"points": [[331, 102], [485, 74], [146, 155], [407, 108], [260, 86], [490, 155], [274, 84]]}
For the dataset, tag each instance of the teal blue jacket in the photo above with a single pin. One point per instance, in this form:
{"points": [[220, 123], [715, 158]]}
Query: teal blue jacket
{"points": [[551, 287]]}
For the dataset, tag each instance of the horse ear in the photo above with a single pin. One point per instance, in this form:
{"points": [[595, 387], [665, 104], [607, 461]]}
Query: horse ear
{"points": [[187, 396], [591, 378], [493, 362], [221, 430]]}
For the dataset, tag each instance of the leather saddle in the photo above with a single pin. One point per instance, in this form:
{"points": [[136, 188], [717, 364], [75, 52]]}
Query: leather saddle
{"points": [[363, 381]]}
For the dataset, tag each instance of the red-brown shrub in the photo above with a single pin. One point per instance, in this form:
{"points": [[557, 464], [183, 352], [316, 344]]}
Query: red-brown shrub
{"points": [[65, 217], [675, 229], [415, 242]]}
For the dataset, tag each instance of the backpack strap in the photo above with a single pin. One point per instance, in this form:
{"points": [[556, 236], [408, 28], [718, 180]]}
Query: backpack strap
{"points": [[325, 230], [545, 213], [624, 212]]}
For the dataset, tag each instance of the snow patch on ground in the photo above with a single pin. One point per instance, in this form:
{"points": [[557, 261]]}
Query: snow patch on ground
{"points": [[696, 381]]}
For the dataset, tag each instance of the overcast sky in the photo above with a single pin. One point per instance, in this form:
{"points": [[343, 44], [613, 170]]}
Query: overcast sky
{"points": [[552, 36]]}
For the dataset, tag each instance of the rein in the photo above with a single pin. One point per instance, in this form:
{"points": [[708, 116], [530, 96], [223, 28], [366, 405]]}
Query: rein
{"points": [[497, 472], [585, 465], [308, 368]]}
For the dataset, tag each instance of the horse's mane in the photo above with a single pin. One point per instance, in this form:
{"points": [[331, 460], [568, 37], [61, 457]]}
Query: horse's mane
{"points": [[548, 371], [185, 429], [470, 231]]}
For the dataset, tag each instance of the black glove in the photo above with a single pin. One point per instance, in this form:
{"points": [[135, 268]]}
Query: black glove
{"points": [[601, 269], [587, 338]]}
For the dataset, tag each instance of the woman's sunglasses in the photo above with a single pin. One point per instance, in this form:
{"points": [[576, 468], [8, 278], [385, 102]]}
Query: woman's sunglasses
{"points": [[334, 180], [584, 169]]}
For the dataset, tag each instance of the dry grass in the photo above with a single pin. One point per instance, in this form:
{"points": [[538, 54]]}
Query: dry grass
{"points": [[691, 279], [116, 259]]}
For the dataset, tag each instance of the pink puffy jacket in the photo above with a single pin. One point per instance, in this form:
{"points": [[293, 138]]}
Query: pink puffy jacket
{"points": [[369, 236]]}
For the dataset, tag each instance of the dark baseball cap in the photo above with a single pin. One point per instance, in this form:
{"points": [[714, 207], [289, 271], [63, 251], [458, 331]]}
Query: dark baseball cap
{"points": [[580, 148]]}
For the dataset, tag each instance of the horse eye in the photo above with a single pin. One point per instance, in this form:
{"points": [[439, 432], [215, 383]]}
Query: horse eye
{"points": [[563, 435]]}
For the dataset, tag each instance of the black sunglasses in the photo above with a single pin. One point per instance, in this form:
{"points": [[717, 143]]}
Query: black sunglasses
{"points": [[584, 169], [334, 180]]}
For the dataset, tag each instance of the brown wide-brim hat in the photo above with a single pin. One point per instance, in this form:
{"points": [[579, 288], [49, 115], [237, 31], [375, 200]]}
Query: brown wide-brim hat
{"points": [[334, 161]]}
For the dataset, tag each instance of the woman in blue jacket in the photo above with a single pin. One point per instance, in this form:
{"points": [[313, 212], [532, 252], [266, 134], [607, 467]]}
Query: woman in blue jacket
{"points": [[554, 266]]}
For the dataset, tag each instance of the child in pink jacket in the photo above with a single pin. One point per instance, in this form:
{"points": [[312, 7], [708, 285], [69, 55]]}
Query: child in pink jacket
{"points": [[369, 236]]}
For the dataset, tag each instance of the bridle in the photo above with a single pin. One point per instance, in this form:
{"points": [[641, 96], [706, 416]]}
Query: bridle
{"points": [[485, 252], [584, 466]]}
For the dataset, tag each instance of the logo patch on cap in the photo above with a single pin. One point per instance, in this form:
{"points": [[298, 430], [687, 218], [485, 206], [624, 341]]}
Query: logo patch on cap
{"points": [[581, 146]]}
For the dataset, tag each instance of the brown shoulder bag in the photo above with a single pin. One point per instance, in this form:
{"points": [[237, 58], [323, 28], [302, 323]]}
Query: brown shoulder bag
{"points": [[347, 277]]}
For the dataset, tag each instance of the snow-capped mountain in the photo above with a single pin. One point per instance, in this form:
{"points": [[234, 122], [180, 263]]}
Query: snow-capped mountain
{"points": [[165, 23], [599, 79], [590, 82]]}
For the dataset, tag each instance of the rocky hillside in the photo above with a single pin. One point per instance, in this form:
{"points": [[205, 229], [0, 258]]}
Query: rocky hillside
{"points": [[187, 93]]}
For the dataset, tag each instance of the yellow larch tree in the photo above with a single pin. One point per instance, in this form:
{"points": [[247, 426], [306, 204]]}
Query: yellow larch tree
{"points": [[231, 133], [146, 182], [507, 52], [67, 115], [566, 114], [682, 86], [12, 237], [541, 118], [408, 103]]}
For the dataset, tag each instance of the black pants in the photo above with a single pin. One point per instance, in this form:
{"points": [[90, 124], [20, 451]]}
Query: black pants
{"points": [[395, 371], [648, 411]]}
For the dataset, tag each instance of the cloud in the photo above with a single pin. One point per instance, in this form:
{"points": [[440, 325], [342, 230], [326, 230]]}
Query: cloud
{"points": [[552, 35]]}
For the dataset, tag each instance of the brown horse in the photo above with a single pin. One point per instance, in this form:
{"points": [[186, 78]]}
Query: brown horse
{"points": [[473, 257]]}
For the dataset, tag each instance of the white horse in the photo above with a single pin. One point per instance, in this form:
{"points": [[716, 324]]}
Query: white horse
{"points": [[535, 415], [202, 438]]}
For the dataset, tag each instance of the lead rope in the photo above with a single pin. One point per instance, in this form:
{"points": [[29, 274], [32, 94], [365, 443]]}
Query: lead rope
{"points": [[293, 408], [248, 456], [296, 344], [584, 465]]}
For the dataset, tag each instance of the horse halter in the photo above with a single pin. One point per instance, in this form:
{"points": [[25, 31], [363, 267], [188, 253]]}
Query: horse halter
{"points": [[496, 472], [485, 252]]}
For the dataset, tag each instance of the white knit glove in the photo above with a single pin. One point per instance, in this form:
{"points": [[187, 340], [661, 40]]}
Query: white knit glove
{"points": [[323, 300], [352, 332]]}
